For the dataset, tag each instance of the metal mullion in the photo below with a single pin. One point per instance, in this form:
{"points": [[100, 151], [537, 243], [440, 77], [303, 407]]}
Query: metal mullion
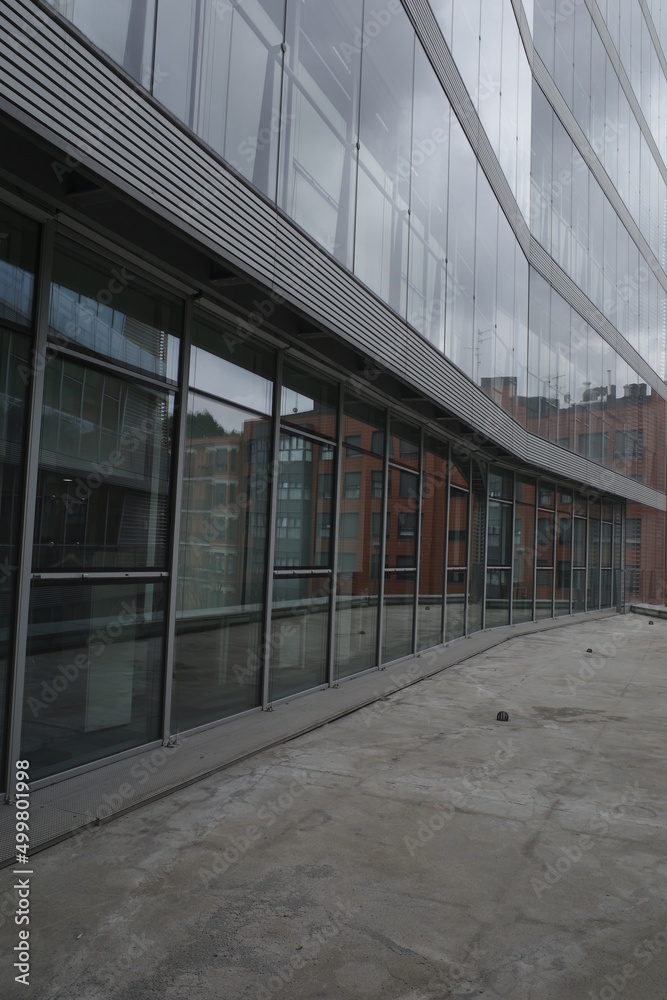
{"points": [[336, 498], [418, 539], [571, 550], [588, 512], [448, 491], [271, 532], [486, 546], [178, 470], [513, 553], [41, 329], [383, 537], [553, 554], [536, 510], [468, 548]]}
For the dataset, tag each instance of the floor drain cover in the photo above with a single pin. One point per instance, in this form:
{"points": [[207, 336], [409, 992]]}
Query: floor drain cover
{"points": [[503, 717]]}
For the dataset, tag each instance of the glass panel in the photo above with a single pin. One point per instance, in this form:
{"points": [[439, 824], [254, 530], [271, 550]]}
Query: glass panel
{"points": [[593, 588], [222, 563], [399, 599], [124, 30], [432, 555], [461, 250], [93, 672], [320, 116], [428, 207], [501, 484], [14, 359], [563, 553], [497, 597], [303, 519], [456, 597], [18, 262], [383, 195], [499, 551], [543, 593], [404, 444], [401, 553], [358, 566], [477, 546], [218, 68], [524, 551], [223, 364], [579, 590], [299, 629], [308, 402], [545, 559], [103, 488], [109, 311]]}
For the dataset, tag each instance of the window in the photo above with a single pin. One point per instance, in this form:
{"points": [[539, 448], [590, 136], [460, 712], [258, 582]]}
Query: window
{"points": [[324, 525], [352, 485], [629, 444], [377, 482], [377, 443], [406, 525], [353, 441], [408, 485], [564, 530], [220, 494], [325, 485], [349, 525], [633, 531]]}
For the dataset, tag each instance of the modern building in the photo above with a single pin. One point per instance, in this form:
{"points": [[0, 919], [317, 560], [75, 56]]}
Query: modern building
{"points": [[330, 331]]}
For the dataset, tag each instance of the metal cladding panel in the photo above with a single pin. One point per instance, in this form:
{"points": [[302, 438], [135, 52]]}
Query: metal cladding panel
{"points": [[441, 59], [53, 82]]}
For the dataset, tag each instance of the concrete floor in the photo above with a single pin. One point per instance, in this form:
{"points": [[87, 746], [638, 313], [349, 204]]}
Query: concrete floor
{"points": [[413, 850]]}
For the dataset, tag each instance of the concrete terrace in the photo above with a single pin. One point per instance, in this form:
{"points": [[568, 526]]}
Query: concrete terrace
{"points": [[414, 849]]}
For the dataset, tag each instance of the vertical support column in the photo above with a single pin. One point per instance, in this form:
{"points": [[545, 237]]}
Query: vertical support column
{"points": [[588, 528], [180, 433], [383, 536], [443, 631], [271, 532], [512, 560], [571, 550], [418, 538], [336, 496], [537, 517], [554, 548], [468, 548], [39, 362], [486, 547]]}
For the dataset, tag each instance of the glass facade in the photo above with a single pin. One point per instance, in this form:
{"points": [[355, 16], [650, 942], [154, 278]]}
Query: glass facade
{"points": [[223, 520]]}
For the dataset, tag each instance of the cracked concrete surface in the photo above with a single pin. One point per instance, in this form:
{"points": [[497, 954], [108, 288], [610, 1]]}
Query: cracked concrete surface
{"points": [[414, 850]]}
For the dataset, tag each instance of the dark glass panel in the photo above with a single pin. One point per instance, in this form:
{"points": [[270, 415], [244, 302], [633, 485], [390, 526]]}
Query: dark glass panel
{"points": [[18, 263], [94, 672], [299, 630], [225, 365], [103, 488], [222, 563], [358, 564], [308, 402], [107, 310]]}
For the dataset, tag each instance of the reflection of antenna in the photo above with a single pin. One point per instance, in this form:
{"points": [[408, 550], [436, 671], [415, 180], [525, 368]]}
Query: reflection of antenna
{"points": [[482, 336]]}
